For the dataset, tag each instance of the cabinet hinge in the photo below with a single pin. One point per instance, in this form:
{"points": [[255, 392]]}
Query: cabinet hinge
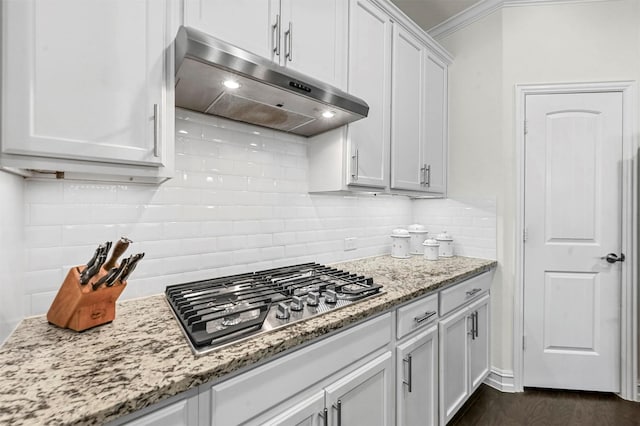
{"points": [[525, 127], [525, 235], [523, 343]]}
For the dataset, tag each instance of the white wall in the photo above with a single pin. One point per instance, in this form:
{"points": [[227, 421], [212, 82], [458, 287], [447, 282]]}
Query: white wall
{"points": [[476, 153], [552, 43], [11, 252]]}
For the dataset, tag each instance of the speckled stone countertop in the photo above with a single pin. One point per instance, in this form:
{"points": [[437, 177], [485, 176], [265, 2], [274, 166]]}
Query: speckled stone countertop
{"points": [[55, 376]]}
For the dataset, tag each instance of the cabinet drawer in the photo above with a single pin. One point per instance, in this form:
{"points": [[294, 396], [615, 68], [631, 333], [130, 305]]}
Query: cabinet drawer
{"points": [[458, 295], [417, 314]]}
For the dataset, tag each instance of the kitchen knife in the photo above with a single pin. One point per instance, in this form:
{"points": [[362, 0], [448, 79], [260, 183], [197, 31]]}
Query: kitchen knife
{"points": [[90, 272], [121, 246], [112, 278], [93, 259], [133, 262], [111, 274]]}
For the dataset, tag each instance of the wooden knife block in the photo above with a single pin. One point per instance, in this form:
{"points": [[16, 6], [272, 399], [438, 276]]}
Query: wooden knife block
{"points": [[79, 307]]}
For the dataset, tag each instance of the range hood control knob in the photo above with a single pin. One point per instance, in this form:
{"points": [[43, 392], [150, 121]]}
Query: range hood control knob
{"points": [[297, 304], [313, 298], [283, 311], [330, 297]]}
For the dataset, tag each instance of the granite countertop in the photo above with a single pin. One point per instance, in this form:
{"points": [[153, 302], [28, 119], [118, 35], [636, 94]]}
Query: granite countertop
{"points": [[57, 376]]}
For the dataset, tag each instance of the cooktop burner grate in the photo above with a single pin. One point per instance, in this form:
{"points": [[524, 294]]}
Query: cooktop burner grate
{"points": [[219, 311]]}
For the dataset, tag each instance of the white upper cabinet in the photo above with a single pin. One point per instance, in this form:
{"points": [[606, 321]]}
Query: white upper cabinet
{"points": [[305, 35], [401, 146], [369, 79], [357, 158], [407, 142], [87, 83], [435, 125], [418, 143], [248, 24]]}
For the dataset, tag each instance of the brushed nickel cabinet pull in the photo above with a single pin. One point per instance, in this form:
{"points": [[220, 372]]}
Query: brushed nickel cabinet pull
{"points": [[409, 362], [424, 317], [325, 416], [354, 171], [288, 37], [156, 130], [276, 36], [338, 407], [427, 180], [473, 291]]}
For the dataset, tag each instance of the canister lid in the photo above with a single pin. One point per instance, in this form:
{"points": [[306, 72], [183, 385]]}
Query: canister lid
{"points": [[430, 242], [417, 228], [444, 237], [400, 232]]}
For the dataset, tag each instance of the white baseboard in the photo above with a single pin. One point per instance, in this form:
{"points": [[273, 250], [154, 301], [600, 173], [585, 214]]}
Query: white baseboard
{"points": [[501, 380]]}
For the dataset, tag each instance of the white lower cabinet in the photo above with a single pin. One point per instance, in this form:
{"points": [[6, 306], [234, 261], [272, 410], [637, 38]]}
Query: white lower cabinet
{"points": [[359, 376], [464, 355], [363, 397], [417, 379]]}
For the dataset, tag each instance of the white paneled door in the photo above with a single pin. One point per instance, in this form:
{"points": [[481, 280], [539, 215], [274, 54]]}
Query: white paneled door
{"points": [[573, 220]]}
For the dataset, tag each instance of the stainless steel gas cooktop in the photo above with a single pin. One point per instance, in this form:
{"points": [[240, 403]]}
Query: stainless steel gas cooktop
{"points": [[220, 311]]}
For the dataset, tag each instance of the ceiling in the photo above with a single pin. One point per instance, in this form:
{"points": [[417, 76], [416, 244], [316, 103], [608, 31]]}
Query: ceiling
{"points": [[429, 13]]}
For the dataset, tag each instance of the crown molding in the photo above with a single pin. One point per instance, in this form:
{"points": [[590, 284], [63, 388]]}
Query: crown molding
{"points": [[485, 8]]}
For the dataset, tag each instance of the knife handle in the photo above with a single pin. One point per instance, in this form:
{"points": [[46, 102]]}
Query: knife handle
{"points": [[121, 246]]}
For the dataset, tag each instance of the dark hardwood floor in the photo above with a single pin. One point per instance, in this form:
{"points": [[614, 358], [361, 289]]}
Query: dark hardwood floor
{"points": [[546, 407]]}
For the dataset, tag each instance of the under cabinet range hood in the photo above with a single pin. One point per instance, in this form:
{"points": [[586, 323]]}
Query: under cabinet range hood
{"points": [[217, 78]]}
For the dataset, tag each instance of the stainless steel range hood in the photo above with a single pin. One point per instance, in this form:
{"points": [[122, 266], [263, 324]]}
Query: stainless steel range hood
{"points": [[268, 95]]}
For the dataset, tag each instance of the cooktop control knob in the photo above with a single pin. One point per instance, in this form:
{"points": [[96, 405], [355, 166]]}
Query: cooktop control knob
{"points": [[330, 297], [297, 304], [283, 311], [313, 298]]}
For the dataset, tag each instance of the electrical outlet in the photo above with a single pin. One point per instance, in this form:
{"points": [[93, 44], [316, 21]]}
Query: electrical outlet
{"points": [[350, 243]]}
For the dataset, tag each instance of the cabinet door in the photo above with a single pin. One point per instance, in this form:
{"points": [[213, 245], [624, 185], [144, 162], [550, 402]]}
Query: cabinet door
{"points": [[407, 167], [248, 24], [435, 118], [363, 397], [454, 363], [84, 80], [417, 380], [312, 35], [479, 343], [309, 412], [369, 79]]}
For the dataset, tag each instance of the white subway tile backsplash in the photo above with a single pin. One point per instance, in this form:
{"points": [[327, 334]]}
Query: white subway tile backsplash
{"points": [[232, 243], [238, 203], [471, 223], [40, 302], [43, 236]]}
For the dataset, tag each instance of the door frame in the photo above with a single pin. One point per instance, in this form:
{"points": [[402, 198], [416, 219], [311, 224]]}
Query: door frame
{"points": [[629, 294]]}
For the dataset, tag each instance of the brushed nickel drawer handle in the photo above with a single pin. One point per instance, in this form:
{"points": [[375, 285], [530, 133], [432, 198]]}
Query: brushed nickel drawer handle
{"points": [[423, 318], [473, 291]]}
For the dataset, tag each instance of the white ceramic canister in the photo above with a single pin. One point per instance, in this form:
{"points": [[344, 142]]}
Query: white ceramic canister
{"points": [[446, 244], [400, 243], [431, 249], [418, 234]]}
